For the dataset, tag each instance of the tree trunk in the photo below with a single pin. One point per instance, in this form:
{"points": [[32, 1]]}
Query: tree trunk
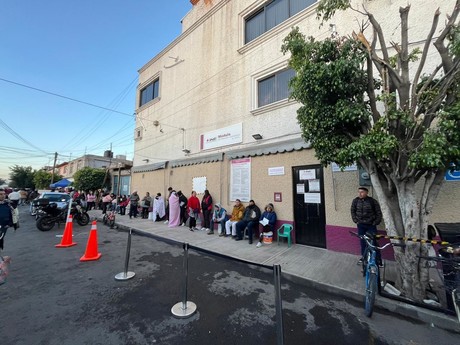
{"points": [[402, 217]]}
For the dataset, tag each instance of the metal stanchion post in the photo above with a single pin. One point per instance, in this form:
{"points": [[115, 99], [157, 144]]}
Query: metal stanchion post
{"points": [[185, 308], [278, 304], [126, 275]]}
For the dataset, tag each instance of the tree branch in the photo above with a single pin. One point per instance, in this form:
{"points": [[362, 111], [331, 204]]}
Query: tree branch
{"points": [[439, 43], [426, 47]]}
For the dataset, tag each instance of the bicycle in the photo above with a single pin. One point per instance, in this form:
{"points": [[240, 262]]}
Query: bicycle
{"points": [[451, 279], [371, 270], [109, 216]]}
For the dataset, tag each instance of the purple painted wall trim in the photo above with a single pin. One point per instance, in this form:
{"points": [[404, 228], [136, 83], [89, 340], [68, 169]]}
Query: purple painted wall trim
{"points": [[339, 239]]}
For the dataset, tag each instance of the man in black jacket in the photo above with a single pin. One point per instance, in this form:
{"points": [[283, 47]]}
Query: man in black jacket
{"points": [[250, 219], [366, 213], [6, 216]]}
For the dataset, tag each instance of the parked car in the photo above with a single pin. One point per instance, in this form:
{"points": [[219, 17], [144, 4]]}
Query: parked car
{"points": [[61, 199]]}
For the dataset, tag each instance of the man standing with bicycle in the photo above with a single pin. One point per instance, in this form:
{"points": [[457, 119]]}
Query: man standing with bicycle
{"points": [[366, 213]]}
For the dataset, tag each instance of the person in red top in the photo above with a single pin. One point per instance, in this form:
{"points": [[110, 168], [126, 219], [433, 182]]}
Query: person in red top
{"points": [[193, 206]]}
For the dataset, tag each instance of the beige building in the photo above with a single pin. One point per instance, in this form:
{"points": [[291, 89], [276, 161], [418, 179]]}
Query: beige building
{"points": [[213, 113], [118, 168]]}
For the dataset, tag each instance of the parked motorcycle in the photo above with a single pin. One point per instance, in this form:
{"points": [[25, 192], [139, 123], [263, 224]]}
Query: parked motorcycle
{"points": [[49, 214]]}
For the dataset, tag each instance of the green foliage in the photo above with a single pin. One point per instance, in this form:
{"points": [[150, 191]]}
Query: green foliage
{"points": [[327, 8], [21, 177], [336, 117], [454, 40], [90, 179], [331, 84], [42, 179], [2, 181], [441, 145]]}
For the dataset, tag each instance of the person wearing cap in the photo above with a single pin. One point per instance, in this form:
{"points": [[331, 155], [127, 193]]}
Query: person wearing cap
{"points": [[366, 213]]}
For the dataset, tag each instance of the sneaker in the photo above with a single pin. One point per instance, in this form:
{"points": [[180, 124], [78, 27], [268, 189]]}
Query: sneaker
{"points": [[250, 241], [183, 224], [360, 261], [166, 222], [221, 235], [195, 229], [210, 232], [191, 229], [259, 244]]}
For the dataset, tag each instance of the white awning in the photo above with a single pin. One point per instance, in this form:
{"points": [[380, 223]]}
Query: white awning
{"points": [[267, 149]]}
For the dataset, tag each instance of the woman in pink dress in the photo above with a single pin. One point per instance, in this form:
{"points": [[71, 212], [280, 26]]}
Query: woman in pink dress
{"points": [[174, 210]]}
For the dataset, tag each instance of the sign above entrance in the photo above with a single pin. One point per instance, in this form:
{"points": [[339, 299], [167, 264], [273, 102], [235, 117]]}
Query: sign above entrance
{"points": [[335, 167], [222, 137]]}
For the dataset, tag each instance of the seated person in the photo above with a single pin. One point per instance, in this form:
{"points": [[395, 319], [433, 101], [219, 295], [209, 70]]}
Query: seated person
{"points": [[219, 216], [237, 215], [268, 220], [250, 219]]}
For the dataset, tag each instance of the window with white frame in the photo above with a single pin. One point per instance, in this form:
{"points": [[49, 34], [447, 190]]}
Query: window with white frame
{"points": [[274, 88], [150, 92], [271, 14]]}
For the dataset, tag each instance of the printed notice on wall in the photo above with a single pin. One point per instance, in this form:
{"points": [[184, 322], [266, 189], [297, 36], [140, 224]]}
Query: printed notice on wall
{"points": [[240, 179], [307, 174], [199, 184], [312, 198]]}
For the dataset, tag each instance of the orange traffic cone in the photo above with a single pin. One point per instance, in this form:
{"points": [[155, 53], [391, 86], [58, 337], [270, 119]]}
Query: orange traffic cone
{"points": [[91, 248], [67, 237]]}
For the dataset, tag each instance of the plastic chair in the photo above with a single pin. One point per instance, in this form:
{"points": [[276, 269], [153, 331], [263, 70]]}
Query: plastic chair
{"points": [[284, 231]]}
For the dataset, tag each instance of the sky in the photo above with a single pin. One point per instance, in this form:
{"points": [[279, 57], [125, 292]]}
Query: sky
{"points": [[63, 62]]}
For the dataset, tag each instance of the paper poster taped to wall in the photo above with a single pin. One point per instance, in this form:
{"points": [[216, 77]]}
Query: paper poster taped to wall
{"points": [[199, 184], [240, 179]]}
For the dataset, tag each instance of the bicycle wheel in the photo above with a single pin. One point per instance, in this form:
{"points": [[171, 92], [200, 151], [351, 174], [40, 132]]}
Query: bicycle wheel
{"points": [[371, 290], [456, 301]]}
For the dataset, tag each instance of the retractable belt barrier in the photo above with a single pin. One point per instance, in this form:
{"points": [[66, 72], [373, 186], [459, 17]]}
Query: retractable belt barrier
{"points": [[412, 239]]}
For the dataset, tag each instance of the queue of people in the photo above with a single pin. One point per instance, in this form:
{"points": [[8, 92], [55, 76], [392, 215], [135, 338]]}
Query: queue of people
{"points": [[178, 210]]}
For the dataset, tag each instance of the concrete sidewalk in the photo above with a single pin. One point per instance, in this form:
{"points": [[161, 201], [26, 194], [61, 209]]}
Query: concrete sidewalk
{"points": [[329, 271]]}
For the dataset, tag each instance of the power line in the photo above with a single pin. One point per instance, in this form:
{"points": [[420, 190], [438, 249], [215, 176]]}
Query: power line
{"points": [[65, 97], [15, 134]]}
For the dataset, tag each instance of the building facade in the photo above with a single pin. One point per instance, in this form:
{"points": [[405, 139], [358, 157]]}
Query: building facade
{"points": [[213, 113], [118, 168]]}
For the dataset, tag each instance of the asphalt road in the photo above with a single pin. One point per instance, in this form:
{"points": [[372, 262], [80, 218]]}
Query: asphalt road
{"points": [[53, 298]]}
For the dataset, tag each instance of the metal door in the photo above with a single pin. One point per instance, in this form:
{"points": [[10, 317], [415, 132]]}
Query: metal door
{"points": [[309, 209]]}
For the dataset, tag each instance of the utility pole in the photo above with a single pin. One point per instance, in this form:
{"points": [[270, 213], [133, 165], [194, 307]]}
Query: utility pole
{"points": [[54, 167]]}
